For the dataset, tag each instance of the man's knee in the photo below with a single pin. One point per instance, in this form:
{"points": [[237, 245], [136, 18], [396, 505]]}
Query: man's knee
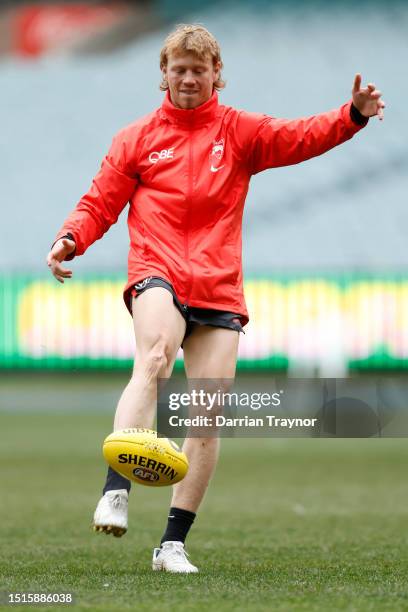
{"points": [[156, 361], [158, 358]]}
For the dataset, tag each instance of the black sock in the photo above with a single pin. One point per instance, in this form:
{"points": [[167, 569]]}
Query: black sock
{"points": [[178, 525], [115, 481]]}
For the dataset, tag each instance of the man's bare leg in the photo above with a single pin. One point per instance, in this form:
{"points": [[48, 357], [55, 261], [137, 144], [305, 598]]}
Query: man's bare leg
{"points": [[159, 330], [209, 353]]}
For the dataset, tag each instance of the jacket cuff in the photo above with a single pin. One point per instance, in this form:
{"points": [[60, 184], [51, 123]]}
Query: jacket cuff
{"points": [[70, 237], [356, 116]]}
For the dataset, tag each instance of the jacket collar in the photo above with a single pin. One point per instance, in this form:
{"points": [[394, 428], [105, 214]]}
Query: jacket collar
{"points": [[192, 117]]}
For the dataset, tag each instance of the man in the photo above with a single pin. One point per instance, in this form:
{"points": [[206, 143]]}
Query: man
{"points": [[185, 169]]}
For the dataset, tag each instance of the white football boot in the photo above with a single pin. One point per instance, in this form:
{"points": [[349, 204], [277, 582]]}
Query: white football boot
{"points": [[172, 557], [111, 514]]}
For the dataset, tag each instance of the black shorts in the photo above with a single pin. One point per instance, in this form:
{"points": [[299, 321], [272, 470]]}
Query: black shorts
{"points": [[192, 316]]}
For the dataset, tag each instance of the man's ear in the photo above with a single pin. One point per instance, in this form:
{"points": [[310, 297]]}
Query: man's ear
{"points": [[164, 72], [217, 71]]}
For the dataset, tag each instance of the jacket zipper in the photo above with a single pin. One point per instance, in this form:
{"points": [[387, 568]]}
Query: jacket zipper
{"points": [[189, 201]]}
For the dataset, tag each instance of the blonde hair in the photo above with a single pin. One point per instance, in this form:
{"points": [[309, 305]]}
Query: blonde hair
{"points": [[191, 38]]}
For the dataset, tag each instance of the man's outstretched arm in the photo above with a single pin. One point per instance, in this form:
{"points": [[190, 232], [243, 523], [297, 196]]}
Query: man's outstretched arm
{"points": [[283, 142], [97, 210]]}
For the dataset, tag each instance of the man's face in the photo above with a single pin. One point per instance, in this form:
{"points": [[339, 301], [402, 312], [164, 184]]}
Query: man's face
{"points": [[190, 79]]}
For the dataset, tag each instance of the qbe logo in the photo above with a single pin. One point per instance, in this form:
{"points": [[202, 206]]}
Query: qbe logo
{"points": [[164, 154]]}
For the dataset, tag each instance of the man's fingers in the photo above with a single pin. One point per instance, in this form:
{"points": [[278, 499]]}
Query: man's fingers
{"points": [[61, 275], [63, 272], [57, 270], [371, 87], [357, 82], [59, 251], [56, 267], [376, 93]]}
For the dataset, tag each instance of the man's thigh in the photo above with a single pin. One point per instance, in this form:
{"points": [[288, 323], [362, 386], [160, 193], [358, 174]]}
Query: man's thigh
{"points": [[211, 352], [156, 320]]}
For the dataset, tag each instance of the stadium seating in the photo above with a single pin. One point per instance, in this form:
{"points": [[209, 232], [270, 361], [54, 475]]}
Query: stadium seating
{"points": [[346, 209]]}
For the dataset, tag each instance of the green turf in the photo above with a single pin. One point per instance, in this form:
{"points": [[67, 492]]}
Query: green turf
{"points": [[287, 525]]}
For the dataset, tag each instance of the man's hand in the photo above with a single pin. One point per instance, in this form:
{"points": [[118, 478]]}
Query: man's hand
{"points": [[367, 99], [59, 251]]}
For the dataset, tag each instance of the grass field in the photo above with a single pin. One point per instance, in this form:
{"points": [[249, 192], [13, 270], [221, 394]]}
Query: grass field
{"points": [[287, 525]]}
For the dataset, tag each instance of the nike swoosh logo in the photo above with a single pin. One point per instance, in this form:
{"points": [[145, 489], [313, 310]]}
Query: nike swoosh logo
{"points": [[216, 169]]}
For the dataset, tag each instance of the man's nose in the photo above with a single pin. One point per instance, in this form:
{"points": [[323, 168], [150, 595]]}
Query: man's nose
{"points": [[189, 78]]}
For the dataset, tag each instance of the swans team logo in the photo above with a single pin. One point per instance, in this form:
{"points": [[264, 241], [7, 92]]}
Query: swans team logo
{"points": [[216, 155]]}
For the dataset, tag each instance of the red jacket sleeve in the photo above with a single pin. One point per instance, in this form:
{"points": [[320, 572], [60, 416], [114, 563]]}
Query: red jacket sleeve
{"points": [[283, 142], [109, 193]]}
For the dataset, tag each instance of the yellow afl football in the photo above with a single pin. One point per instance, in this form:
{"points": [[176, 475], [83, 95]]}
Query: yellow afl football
{"points": [[141, 456]]}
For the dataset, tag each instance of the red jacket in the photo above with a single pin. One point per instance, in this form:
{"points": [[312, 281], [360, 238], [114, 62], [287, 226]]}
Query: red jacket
{"points": [[186, 175]]}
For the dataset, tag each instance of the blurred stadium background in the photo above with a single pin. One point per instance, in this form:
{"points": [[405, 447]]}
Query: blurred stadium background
{"points": [[325, 249]]}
